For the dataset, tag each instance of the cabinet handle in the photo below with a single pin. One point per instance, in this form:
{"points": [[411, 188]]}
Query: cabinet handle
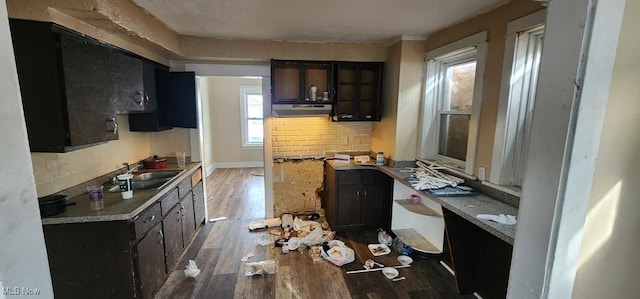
{"points": [[161, 237], [115, 125], [358, 194], [153, 217], [139, 98], [365, 194]]}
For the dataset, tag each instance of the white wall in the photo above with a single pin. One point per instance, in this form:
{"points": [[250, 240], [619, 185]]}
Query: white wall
{"points": [[571, 97], [609, 264], [23, 257], [225, 122]]}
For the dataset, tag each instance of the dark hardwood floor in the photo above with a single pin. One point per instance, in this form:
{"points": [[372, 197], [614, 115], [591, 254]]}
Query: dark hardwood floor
{"points": [[217, 249]]}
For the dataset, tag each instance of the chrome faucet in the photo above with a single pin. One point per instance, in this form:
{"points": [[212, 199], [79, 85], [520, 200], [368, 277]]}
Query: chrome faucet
{"points": [[134, 168], [130, 169]]}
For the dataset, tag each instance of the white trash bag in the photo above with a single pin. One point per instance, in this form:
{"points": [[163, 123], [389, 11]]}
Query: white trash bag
{"points": [[191, 270], [338, 253], [260, 268]]}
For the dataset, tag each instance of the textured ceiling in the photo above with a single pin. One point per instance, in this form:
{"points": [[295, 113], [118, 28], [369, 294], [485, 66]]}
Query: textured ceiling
{"points": [[315, 21]]}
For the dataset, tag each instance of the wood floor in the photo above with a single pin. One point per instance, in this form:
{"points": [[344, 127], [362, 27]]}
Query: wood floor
{"points": [[217, 249]]}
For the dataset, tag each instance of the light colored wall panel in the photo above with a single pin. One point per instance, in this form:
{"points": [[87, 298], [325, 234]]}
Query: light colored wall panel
{"points": [[225, 119], [495, 22], [409, 96], [384, 132], [609, 262], [57, 171], [252, 51]]}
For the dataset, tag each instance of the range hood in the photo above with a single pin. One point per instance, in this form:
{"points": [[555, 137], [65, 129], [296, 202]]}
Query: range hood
{"points": [[301, 110]]}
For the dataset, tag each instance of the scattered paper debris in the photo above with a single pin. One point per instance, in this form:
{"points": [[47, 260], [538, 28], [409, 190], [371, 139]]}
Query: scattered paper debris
{"points": [[217, 219], [191, 270], [247, 256]]}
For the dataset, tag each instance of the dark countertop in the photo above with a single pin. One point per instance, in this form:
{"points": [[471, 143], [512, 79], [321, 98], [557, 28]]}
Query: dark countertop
{"points": [[116, 208], [467, 207]]}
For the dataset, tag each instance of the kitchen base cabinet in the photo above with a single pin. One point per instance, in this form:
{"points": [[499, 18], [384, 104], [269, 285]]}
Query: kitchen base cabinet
{"points": [[481, 261], [100, 260], [357, 198], [172, 225], [199, 203], [150, 261]]}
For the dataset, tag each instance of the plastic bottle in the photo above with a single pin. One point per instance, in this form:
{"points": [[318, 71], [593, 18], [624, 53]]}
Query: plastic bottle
{"points": [[380, 158]]}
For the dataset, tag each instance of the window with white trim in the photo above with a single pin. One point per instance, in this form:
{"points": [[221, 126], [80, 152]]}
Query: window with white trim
{"points": [[252, 116], [451, 106], [523, 50]]}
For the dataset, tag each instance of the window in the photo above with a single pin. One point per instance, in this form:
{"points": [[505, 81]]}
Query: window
{"points": [[520, 76], [452, 102], [252, 128]]}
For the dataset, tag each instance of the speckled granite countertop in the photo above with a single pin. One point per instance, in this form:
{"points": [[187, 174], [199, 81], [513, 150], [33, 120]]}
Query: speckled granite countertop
{"points": [[116, 208], [467, 207]]}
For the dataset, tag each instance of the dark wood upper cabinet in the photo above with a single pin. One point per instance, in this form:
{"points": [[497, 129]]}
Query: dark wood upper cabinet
{"points": [[358, 91], [66, 87], [182, 110], [134, 82], [291, 81], [176, 103]]}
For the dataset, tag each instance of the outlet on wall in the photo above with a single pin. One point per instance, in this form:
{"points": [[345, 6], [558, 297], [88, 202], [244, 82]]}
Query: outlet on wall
{"points": [[482, 173], [345, 140]]}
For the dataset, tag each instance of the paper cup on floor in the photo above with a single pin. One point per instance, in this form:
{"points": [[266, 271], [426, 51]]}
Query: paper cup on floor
{"points": [[124, 180]]}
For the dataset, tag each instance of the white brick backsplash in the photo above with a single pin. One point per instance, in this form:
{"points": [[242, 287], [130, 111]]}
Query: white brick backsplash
{"points": [[293, 137]]}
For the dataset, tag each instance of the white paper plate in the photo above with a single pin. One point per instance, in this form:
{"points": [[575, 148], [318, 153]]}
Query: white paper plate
{"points": [[379, 249]]}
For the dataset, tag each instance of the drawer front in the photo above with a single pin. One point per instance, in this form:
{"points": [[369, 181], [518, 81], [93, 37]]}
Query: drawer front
{"points": [[374, 177], [168, 201], [184, 188], [349, 177], [196, 177], [147, 220]]}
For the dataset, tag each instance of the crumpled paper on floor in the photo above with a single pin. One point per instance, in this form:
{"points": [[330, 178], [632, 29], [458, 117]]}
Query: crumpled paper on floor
{"points": [[502, 218], [191, 270]]}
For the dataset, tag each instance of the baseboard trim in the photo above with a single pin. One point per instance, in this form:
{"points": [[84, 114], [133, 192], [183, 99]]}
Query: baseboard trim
{"points": [[238, 164], [209, 170]]}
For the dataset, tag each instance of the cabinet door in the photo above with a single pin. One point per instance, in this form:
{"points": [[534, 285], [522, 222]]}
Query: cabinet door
{"points": [[372, 205], [91, 106], [345, 91], [369, 91], [286, 81], [127, 78], [188, 223], [172, 225], [198, 203], [151, 267], [149, 80], [358, 91], [348, 207], [182, 110]]}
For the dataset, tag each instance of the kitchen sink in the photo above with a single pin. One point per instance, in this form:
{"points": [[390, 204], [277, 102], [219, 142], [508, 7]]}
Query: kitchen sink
{"points": [[143, 185], [154, 175]]}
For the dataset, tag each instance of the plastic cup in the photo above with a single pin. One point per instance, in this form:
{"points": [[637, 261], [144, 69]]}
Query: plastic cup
{"points": [[124, 181], [181, 157], [96, 197]]}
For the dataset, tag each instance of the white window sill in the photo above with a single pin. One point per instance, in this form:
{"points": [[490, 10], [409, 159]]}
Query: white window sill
{"points": [[513, 190]]}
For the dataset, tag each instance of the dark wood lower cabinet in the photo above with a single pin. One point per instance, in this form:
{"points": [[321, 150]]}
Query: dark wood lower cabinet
{"points": [[150, 261], [198, 203], [481, 261], [357, 198], [188, 220], [172, 225], [127, 258]]}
